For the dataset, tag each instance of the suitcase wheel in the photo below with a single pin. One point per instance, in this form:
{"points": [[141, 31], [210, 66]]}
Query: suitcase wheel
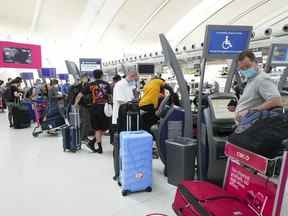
{"points": [[148, 189], [125, 192], [36, 134], [119, 184], [114, 178]]}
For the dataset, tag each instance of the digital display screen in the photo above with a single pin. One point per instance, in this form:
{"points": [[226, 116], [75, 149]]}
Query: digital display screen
{"points": [[285, 101], [227, 42], [280, 55], [146, 68], [90, 64], [13, 55], [221, 111]]}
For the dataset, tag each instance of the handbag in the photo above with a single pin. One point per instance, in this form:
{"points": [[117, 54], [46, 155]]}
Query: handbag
{"points": [[108, 110]]}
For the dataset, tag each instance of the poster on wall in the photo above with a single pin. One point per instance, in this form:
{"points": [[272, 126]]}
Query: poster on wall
{"points": [[18, 55], [87, 65]]}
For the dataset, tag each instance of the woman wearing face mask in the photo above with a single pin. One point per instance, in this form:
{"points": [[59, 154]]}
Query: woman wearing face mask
{"points": [[53, 98], [260, 93]]}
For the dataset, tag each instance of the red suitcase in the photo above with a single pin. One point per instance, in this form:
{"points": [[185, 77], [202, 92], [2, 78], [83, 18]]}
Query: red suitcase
{"points": [[198, 198]]}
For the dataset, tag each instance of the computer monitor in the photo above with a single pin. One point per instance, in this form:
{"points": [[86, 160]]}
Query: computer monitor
{"points": [[146, 69], [279, 54], [220, 108]]}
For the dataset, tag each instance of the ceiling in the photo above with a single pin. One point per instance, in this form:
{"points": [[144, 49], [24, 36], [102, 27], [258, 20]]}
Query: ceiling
{"points": [[118, 28]]}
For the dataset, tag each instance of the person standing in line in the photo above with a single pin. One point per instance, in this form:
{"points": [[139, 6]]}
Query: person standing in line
{"points": [[11, 95], [100, 91], [123, 92]]}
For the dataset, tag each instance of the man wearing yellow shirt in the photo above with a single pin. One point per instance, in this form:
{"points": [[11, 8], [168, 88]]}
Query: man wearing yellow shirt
{"points": [[149, 101]]}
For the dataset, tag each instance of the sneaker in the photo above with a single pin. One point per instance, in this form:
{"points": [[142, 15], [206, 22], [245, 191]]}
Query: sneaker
{"points": [[91, 147]]}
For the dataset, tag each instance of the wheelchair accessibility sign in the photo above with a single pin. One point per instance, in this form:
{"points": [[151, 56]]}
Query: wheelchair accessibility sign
{"points": [[226, 41]]}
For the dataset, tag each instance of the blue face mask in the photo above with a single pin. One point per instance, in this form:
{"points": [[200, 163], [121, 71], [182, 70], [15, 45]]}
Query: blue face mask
{"points": [[248, 73]]}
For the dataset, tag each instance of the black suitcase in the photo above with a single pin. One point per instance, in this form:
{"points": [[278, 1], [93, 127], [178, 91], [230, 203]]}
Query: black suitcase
{"points": [[132, 109], [71, 139], [21, 116]]}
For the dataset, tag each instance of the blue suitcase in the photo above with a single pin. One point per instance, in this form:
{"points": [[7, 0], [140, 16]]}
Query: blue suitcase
{"points": [[135, 161], [71, 139]]}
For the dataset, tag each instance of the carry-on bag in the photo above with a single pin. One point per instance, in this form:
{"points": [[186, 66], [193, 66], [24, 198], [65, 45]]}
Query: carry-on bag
{"points": [[54, 120], [130, 115], [264, 136], [21, 116], [71, 139], [135, 161], [128, 109], [198, 198]]}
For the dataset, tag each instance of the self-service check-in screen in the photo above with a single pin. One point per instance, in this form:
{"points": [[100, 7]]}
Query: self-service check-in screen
{"points": [[221, 110], [280, 55], [285, 101]]}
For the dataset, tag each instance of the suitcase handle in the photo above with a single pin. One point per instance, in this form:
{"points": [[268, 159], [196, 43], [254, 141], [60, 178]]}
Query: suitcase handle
{"points": [[192, 201]]}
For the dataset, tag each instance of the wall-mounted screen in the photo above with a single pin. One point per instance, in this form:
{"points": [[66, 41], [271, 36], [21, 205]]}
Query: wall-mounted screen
{"points": [[146, 69], [16, 55]]}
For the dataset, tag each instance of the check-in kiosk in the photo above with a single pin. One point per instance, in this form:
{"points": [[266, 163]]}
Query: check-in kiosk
{"points": [[277, 67], [215, 122]]}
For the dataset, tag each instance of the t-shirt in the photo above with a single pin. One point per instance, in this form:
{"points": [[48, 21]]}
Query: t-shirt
{"points": [[151, 93], [122, 92], [258, 90], [10, 93], [100, 91]]}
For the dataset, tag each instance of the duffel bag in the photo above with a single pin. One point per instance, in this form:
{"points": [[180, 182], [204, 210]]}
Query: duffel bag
{"points": [[264, 136]]}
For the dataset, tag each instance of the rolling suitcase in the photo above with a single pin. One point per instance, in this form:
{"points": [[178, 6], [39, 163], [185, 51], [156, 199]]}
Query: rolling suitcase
{"points": [[116, 148], [21, 116], [71, 139], [135, 161], [198, 198]]}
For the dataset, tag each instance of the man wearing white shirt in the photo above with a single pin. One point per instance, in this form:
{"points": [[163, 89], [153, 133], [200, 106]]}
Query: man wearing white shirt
{"points": [[123, 93]]}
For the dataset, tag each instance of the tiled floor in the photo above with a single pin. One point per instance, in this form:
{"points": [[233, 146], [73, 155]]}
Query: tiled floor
{"points": [[38, 179]]}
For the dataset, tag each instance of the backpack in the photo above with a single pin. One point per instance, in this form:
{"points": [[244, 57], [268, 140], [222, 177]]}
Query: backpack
{"points": [[262, 135], [7, 95]]}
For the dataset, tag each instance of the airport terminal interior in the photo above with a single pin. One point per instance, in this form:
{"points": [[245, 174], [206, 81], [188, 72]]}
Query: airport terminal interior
{"points": [[144, 108]]}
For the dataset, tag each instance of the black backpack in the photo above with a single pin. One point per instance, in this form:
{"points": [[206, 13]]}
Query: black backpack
{"points": [[264, 137], [7, 95]]}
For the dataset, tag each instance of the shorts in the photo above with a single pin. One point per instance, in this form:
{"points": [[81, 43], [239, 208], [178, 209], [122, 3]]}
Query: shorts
{"points": [[99, 121]]}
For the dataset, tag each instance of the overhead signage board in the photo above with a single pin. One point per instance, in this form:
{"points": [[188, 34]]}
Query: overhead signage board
{"points": [[90, 64], [226, 42], [27, 75], [48, 73], [63, 76]]}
